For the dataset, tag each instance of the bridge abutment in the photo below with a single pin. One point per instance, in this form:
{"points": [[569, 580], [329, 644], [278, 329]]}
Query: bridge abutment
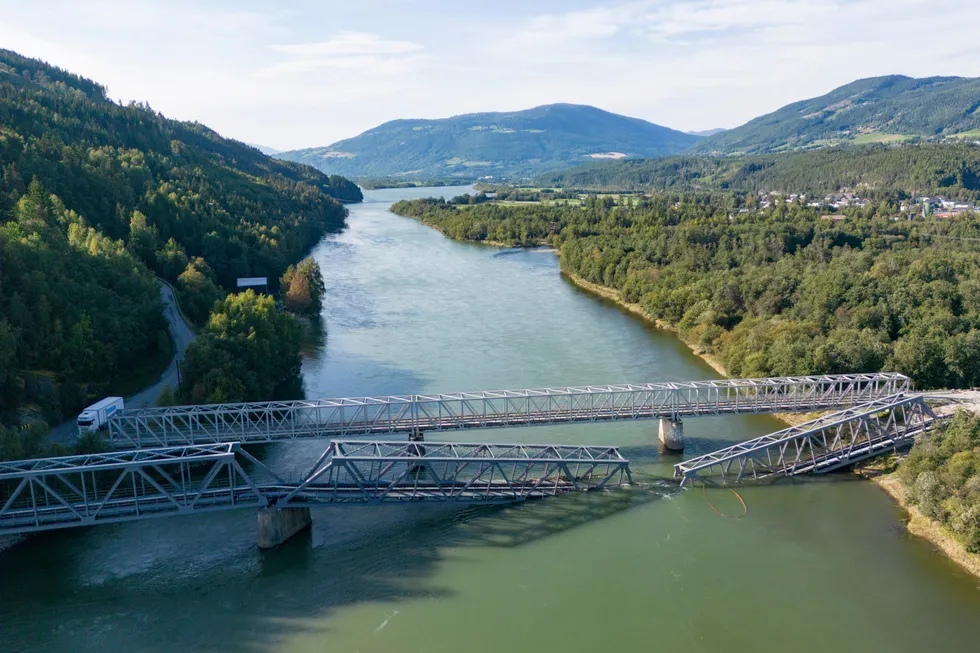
{"points": [[672, 433], [276, 525]]}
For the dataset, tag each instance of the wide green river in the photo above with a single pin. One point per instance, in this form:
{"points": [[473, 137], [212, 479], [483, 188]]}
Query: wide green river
{"points": [[815, 565]]}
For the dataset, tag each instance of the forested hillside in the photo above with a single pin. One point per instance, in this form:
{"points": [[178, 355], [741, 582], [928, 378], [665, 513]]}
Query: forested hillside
{"points": [[509, 144], [769, 292], [894, 108], [951, 170], [97, 198]]}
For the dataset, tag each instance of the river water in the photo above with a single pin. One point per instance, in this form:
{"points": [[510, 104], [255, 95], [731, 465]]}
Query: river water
{"points": [[815, 565]]}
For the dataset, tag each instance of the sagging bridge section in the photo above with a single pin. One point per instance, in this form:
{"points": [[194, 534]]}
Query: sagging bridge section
{"points": [[52, 493], [830, 442], [346, 417]]}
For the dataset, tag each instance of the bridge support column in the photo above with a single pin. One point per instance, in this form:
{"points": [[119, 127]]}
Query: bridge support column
{"points": [[276, 525], [672, 433]]}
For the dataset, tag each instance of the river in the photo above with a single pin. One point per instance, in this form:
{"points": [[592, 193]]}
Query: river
{"points": [[814, 565]]}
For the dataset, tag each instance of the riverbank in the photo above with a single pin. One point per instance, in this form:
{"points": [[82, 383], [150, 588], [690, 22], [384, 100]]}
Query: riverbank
{"points": [[921, 526], [917, 523], [613, 295]]}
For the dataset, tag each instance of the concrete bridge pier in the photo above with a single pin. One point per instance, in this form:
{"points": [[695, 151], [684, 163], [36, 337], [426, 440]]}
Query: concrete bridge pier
{"points": [[672, 433], [276, 525]]}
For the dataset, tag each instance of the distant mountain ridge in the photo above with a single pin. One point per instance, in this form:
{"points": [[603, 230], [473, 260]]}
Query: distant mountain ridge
{"points": [[707, 132], [890, 109], [501, 144]]}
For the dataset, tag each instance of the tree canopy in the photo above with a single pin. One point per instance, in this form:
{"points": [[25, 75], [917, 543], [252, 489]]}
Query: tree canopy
{"points": [[95, 199], [244, 353]]}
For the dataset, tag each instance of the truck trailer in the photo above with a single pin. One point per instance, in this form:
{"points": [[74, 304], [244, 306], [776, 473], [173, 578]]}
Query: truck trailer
{"points": [[97, 415]]}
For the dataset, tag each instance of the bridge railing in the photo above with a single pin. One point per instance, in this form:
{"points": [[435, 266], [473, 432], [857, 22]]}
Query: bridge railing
{"points": [[38, 495], [830, 442], [344, 417]]}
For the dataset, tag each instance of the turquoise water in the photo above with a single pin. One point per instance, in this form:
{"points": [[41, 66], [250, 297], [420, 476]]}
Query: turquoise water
{"points": [[814, 565]]}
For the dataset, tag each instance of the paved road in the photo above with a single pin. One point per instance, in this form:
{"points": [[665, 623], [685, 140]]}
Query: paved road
{"points": [[182, 335]]}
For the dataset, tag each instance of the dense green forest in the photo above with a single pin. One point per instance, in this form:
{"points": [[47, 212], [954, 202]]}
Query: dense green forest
{"points": [[952, 170], [893, 108], [942, 477], [768, 292], [244, 353], [97, 198]]}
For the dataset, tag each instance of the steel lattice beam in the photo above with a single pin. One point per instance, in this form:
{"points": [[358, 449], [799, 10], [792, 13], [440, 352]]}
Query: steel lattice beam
{"points": [[344, 417], [833, 441], [44, 494]]}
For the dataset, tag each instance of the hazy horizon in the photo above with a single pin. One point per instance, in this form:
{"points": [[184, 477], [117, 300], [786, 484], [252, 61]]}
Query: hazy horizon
{"points": [[307, 74]]}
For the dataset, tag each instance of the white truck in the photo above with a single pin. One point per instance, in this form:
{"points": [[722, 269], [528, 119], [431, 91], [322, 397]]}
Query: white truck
{"points": [[97, 415]]}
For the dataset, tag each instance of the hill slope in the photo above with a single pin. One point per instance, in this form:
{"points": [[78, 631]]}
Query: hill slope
{"points": [[951, 170], [510, 144], [879, 109], [96, 199]]}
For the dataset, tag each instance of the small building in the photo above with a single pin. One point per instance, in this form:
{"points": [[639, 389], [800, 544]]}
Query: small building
{"points": [[258, 284], [835, 218]]}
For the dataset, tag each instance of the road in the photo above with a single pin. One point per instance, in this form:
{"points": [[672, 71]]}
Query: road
{"points": [[182, 336]]}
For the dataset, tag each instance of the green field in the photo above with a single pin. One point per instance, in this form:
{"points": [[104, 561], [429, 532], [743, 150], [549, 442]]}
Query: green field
{"points": [[877, 137], [973, 134]]}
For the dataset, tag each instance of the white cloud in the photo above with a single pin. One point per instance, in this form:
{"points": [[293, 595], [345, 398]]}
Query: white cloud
{"points": [[350, 53], [317, 72], [349, 44]]}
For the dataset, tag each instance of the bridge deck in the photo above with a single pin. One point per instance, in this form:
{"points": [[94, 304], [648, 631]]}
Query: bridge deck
{"points": [[822, 445], [37, 495], [344, 417]]}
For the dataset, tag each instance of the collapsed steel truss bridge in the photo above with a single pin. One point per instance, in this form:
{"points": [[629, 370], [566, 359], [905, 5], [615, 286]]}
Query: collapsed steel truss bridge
{"points": [[831, 442], [329, 418], [51, 493]]}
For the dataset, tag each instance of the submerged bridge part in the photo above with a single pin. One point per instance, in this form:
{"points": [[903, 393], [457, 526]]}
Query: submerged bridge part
{"points": [[345, 417], [52, 493], [831, 442]]}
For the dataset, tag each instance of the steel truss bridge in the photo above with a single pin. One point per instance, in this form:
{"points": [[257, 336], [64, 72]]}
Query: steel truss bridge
{"points": [[51, 493], [831, 442], [345, 417]]}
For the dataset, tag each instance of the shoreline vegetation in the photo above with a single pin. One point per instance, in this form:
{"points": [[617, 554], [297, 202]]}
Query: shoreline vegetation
{"points": [[919, 525], [916, 524]]}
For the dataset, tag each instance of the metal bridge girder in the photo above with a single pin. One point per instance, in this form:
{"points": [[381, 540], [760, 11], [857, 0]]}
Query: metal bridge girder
{"points": [[268, 421], [830, 442], [37, 495]]}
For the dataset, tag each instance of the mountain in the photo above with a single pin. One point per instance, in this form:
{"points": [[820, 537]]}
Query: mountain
{"points": [[707, 132], [97, 200], [512, 144], [890, 109], [952, 170]]}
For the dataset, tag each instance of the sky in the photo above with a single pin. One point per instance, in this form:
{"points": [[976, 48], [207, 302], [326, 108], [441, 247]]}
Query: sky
{"points": [[292, 74]]}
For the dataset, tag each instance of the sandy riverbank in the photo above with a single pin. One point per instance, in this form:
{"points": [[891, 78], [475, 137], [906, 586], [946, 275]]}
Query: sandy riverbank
{"points": [[791, 419], [918, 524], [921, 526]]}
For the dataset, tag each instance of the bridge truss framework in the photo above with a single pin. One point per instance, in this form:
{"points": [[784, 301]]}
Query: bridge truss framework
{"points": [[822, 445], [345, 417], [51, 493]]}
